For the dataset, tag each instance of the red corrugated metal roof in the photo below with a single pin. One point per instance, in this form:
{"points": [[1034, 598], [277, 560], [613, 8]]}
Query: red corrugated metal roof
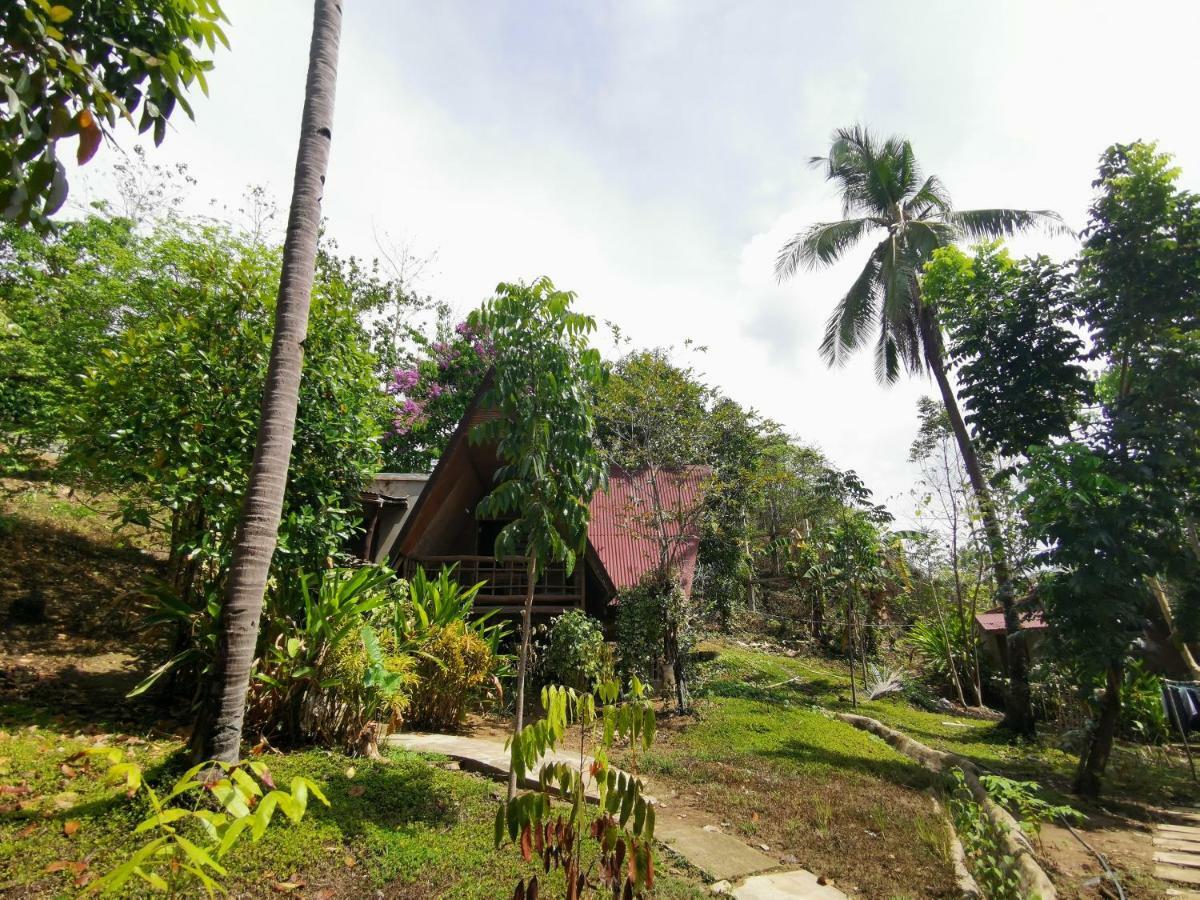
{"points": [[992, 621], [624, 531]]}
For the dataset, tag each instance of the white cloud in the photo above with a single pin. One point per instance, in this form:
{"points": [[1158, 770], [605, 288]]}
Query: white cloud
{"points": [[652, 157]]}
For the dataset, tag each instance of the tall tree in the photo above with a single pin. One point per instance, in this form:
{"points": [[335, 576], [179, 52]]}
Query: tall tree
{"points": [[219, 730], [542, 383], [1117, 508], [884, 189]]}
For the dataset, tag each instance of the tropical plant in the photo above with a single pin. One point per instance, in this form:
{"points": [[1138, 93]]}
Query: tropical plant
{"points": [[883, 681], [219, 727], [884, 189], [542, 384], [575, 654], [73, 70], [1143, 718], [435, 603], [171, 857], [454, 667], [324, 675], [624, 824], [1017, 355]]}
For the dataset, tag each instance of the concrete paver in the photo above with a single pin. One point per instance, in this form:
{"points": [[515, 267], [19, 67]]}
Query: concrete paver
{"points": [[781, 885]]}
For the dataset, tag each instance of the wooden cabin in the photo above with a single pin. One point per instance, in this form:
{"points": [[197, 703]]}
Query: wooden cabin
{"points": [[443, 529]]}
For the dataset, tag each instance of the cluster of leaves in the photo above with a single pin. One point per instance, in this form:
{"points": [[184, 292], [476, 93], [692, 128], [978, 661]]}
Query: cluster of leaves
{"points": [[574, 653], [542, 385], [222, 801], [63, 296], [1022, 800], [323, 673], [74, 70], [655, 627], [1017, 356], [624, 825]]}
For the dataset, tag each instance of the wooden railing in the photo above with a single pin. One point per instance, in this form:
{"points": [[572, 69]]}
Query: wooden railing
{"points": [[506, 581]]}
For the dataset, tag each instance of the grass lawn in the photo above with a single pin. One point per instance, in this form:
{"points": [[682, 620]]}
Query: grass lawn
{"points": [[408, 827], [763, 753], [771, 767]]}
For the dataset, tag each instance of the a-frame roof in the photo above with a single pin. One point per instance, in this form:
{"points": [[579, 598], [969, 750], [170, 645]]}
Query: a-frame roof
{"points": [[622, 546]]}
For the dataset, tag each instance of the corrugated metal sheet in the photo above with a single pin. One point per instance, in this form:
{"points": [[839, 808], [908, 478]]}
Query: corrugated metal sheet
{"points": [[625, 528], [992, 622]]}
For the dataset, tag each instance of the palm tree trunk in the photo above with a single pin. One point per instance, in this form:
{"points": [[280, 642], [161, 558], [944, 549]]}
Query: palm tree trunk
{"points": [[1018, 712], [219, 730], [523, 663]]}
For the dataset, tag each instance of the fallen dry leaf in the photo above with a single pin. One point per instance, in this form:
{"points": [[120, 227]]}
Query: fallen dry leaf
{"points": [[286, 887], [351, 772], [67, 771], [66, 799], [70, 827], [14, 789], [66, 865], [356, 790], [351, 862], [28, 830]]}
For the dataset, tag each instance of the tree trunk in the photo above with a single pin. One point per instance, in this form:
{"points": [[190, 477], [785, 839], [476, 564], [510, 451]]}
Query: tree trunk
{"points": [[219, 729], [523, 664], [1094, 758], [850, 650], [1018, 712]]}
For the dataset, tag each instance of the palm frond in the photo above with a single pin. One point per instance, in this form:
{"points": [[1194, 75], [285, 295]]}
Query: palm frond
{"points": [[930, 199], [989, 224], [851, 321], [898, 345], [923, 236], [856, 165], [820, 245]]}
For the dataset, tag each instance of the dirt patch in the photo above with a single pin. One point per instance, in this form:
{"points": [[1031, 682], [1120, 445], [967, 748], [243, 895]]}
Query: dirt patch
{"points": [[70, 599]]}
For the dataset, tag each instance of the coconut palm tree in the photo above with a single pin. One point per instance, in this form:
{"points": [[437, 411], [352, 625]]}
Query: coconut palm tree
{"points": [[218, 731], [885, 192]]}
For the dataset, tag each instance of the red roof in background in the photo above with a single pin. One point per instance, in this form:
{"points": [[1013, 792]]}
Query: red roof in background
{"points": [[623, 532], [992, 622]]}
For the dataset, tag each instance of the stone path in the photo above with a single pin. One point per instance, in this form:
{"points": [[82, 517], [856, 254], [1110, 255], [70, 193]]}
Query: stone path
{"points": [[1177, 848], [721, 856]]}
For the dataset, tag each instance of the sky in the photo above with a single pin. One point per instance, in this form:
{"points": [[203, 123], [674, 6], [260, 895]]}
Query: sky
{"points": [[651, 156]]}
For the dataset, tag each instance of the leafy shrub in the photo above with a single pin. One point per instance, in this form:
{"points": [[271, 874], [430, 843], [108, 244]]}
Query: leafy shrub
{"points": [[1142, 716], [648, 616], [1022, 800], [574, 653], [434, 603], [455, 666], [932, 644]]}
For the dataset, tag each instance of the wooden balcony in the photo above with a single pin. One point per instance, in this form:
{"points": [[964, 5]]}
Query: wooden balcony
{"points": [[506, 581]]}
